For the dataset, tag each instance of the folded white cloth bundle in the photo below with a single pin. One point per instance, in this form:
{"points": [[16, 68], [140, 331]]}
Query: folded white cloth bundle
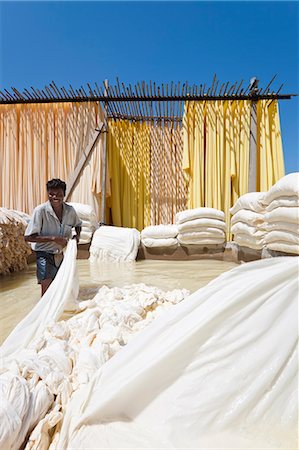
{"points": [[244, 228], [160, 232], [156, 243], [282, 215], [287, 186], [114, 244], [247, 222], [246, 240], [89, 221], [200, 238], [284, 247], [290, 201], [198, 213], [201, 226], [287, 236], [156, 236], [251, 201], [251, 218]]}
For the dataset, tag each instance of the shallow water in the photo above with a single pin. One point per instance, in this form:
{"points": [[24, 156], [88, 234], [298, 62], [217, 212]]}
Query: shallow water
{"points": [[19, 292]]}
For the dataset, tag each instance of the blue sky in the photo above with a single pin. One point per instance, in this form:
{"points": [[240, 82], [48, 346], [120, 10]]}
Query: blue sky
{"points": [[80, 42]]}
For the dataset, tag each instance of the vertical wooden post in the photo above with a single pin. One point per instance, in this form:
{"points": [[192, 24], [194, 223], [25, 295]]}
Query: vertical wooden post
{"points": [[252, 147], [253, 135], [104, 159]]}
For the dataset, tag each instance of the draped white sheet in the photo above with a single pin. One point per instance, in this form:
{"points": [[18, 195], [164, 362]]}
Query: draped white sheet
{"points": [[61, 295], [218, 371]]}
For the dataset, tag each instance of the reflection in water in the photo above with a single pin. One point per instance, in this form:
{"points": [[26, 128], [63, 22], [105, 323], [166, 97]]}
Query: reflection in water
{"points": [[19, 292]]}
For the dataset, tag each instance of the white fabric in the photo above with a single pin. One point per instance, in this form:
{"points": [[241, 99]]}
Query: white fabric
{"points": [[282, 226], [114, 244], [202, 225], [251, 201], [197, 213], [218, 371], [285, 236], [284, 247], [89, 221], [247, 241], [283, 201], [155, 243], [86, 214], [85, 236], [243, 228], [67, 354], [248, 217], [61, 295], [160, 231], [283, 214], [286, 186], [201, 237]]}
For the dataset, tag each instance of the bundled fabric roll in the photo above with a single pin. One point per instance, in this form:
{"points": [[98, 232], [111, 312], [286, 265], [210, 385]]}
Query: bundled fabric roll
{"points": [[282, 215], [201, 226], [13, 248], [247, 222], [160, 236], [114, 244], [89, 221]]}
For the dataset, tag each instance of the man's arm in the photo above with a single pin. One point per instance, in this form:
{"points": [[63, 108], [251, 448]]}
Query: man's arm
{"points": [[77, 235], [60, 240]]}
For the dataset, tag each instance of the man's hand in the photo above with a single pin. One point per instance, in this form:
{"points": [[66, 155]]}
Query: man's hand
{"points": [[76, 237], [60, 240]]}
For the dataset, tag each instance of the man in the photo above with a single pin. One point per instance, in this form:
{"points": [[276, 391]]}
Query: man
{"points": [[49, 229]]}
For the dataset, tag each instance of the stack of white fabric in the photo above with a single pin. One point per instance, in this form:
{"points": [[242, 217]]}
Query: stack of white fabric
{"points": [[160, 236], [114, 244], [89, 221], [282, 215], [39, 374], [247, 222], [13, 248], [201, 226]]}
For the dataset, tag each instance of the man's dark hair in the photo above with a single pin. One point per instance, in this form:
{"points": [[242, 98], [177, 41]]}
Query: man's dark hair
{"points": [[56, 183]]}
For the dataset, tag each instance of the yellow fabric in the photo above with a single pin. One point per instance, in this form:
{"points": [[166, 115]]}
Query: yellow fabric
{"points": [[147, 181], [216, 152], [44, 141], [129, 164], [270, 162]]}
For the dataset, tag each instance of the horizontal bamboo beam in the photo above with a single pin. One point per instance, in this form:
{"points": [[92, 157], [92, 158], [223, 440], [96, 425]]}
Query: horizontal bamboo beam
{"points": [[121, 99]]}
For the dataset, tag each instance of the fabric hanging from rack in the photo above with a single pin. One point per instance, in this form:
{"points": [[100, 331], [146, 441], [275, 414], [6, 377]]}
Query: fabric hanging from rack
{"points": [[168, 184], [270, 162], [129, 166], [147, 181], [216, 138], [43, 141]]}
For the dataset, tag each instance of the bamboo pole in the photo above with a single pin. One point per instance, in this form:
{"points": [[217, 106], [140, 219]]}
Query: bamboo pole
{"points": [[104, 160]]}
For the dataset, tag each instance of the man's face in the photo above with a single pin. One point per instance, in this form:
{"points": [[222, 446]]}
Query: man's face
{"points": [[55, 197]]}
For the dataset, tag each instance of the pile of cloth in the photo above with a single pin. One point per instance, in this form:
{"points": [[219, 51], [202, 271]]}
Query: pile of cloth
{"points": [[56, 358], [115, 244], [13, 248], [89, 221], [247, 222], [160, 236], [282, 215], [201, 226], [219, 370]]}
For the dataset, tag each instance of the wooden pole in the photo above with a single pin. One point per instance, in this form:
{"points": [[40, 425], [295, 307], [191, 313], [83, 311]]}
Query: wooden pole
{"points": [[253, 135], [104, 160], [83, 160], [252, 147]]}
